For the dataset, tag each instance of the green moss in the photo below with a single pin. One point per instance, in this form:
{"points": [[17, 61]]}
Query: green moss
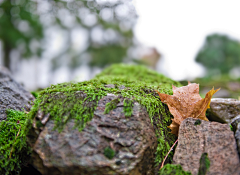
{"points": [[35, 94], [231, 127], [171, 169], [78, 100], [20, 150], [109, 152], [111, 105], [197, 122], [204, 164], [127, 107]]}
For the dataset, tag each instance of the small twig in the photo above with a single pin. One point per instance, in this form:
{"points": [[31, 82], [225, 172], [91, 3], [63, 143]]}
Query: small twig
{"points": [[14, 142], [168, 153]]}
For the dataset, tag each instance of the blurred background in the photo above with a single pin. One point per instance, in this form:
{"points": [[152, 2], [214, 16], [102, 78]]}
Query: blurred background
{"points": [[45, 42]]}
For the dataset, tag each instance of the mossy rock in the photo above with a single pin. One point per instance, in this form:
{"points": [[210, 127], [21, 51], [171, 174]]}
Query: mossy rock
{"points": [[77, 101]]}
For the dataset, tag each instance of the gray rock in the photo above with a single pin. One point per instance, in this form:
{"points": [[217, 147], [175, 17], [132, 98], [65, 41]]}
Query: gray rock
{"points": [[13, 95], [215, 139], [82, 153], [224, 110]]}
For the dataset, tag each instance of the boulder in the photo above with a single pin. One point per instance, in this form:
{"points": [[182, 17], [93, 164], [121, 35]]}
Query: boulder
{"points": [[13, 95], [223, 110], [201, 143], [112, 124], [132, 142]]}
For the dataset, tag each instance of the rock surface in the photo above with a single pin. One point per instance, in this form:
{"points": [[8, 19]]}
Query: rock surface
{"points": [[72, 152], [13, 95], [224, 110], [215, 139]]}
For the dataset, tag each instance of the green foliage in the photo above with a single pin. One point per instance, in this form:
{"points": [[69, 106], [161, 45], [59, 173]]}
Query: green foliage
{"points": [[65, 101], [21, 27], [171, 169], [116, 40], [204, 164], [219, 53], [109, 152], [8, 141]]}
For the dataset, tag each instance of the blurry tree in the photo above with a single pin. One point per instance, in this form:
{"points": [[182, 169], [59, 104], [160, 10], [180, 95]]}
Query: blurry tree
{"points": [[107, 25], [109, 29], [20, 28], [219, 53]]}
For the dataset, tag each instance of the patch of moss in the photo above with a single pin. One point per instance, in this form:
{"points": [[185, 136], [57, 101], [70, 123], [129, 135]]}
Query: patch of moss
{"points": [[111, 105], [197, 122], [127, 107], [78, 100], [12, 145], [231, 127], [109, 152], [35, 94], [204, 164], [171, 169]]}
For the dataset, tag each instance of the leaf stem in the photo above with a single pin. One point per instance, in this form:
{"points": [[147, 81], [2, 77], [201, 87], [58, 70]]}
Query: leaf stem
{"points": [[168, 153]]}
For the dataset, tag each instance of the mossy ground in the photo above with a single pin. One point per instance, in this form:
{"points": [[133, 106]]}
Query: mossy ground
{"points": [[10, 144], [78, 100]]}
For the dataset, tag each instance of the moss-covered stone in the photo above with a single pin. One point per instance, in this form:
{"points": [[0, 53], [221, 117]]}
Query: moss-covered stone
{"points": [[171, 169], [14, 151], [78, 100], [66, 101]]}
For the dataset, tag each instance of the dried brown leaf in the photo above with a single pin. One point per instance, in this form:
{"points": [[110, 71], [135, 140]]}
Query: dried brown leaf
{"points": [[186, 102]]}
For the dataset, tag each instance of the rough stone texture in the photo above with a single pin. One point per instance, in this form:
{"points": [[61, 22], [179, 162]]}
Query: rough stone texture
{"points": [[215, 139], [13, 95], [82, 153], [224, 110]]}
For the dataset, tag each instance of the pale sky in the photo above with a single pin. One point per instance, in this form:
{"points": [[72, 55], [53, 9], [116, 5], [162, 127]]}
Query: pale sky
{"points": [[178, 30]]}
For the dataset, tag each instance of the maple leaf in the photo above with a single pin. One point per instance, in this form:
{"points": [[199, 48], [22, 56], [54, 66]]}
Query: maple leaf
{"points": [[186, 102]]}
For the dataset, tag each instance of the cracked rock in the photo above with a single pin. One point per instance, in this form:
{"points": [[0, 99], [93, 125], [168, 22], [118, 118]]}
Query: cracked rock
{"points": [[131, 139], [211, 138]]}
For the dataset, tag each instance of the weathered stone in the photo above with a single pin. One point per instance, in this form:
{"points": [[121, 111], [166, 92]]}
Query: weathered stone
{"points": [[214, 139], [224, 110], [72, 152], [13, 95]]}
